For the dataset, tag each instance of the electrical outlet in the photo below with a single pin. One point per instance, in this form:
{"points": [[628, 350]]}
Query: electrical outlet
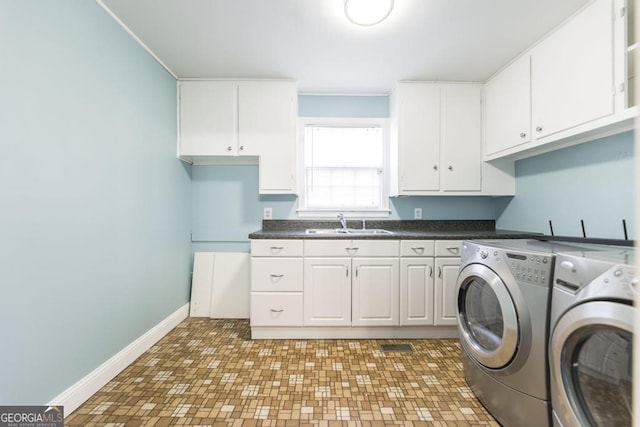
{"points": [[267, 213], [417, 213]]}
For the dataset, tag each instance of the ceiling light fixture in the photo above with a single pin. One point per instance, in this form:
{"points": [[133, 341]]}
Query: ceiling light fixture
{"points": [[367, 12]]}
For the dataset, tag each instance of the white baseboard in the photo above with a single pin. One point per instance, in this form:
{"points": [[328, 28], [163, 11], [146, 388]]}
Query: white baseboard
{"points": [[79, 392]]}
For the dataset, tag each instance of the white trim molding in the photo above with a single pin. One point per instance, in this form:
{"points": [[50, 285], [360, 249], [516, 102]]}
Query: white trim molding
{"points": [[82, 390]]}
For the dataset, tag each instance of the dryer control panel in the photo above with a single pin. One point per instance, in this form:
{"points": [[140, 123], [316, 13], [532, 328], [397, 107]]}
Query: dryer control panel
{"points": [[527, 268]]}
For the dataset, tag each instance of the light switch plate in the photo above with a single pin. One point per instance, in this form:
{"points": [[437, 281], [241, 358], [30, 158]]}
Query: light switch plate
{"points": [[267, 213], [417, 213]]}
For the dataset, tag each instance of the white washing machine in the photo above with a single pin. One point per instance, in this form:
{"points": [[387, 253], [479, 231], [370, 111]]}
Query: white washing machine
{"points": [[504, 291], [592, 318]]}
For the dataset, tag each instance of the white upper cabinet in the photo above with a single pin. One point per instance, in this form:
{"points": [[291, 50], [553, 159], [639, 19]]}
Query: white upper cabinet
{"points": [[208, 118], [437, 138], [461, 137], [418, 137], [571, 87], [572, 72], [508, 107], [240, 122]]}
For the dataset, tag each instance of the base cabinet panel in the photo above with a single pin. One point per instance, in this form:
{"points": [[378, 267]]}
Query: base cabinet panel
{"points": [[416, 291], [375, 292], [327, 291], [446, 295]]}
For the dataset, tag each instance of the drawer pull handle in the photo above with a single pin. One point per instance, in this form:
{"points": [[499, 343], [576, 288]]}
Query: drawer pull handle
{"points": [[277, 276], [277, 311], [276, 249], [418, 249], [454, 249]]}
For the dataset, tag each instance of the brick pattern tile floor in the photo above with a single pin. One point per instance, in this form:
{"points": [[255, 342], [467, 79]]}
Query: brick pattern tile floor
{"points": [[208, 372]]}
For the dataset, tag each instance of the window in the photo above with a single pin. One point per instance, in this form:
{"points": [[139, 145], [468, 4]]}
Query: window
{"points": [[344, 167]]}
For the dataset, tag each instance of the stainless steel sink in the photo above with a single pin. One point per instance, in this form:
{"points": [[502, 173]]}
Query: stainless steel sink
{"points": [[342, 231], [325, 231], [370, 231]]}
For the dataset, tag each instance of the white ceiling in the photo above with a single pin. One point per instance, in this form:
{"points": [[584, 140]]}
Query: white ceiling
{"points": [[312, 42]]}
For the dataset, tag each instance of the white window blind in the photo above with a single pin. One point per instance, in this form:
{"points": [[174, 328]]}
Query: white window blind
{"points": [[344, 167]]}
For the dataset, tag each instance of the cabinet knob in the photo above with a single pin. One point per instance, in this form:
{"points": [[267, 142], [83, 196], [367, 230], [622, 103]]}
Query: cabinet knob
{"points": [[241, 147], [523, 135], [450, 168], [435, 167], [229, 148], [539, 129]]}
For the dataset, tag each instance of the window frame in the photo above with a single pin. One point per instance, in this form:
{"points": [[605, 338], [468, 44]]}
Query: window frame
{"points": [[381, 212]]}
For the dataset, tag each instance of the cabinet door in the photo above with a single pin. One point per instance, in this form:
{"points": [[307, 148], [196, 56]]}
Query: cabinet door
{"points": [[418, 137], [572, 72], [267, 128], [416, 291], [207, 118], [508, 107], [446, 294], [327, 291], [375, 286], [461, 137]]}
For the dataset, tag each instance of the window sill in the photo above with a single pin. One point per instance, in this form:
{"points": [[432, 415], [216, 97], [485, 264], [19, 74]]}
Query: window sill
{"points": [[330, 213]]}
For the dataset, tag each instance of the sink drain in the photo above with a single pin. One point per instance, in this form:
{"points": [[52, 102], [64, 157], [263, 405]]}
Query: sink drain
{"points": [[396, 348]]}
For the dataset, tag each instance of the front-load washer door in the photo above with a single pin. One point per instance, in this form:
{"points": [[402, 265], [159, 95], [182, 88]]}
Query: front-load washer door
{"points": [[590, 357], [487, 317]]}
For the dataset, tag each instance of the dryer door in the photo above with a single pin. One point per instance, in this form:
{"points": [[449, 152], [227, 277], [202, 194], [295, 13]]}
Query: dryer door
{"points": [[590, 356], [487, 317]]}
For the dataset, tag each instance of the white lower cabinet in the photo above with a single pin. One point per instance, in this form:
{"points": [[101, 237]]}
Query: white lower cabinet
{"points": [[351, 290], [276, 283], [447, 265], [375, 288], [334, 288], [416, 282], [327, 291]]}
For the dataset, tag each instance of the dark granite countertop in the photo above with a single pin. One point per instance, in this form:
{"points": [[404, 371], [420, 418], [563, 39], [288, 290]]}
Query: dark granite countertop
{"points": [[402, 230]]}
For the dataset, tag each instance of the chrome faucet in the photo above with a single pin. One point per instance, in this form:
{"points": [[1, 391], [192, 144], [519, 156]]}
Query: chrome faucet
{"points": [[343, 221]]}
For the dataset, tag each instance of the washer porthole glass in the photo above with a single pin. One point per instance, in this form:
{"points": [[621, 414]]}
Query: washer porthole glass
{"points": [[597, 373]]}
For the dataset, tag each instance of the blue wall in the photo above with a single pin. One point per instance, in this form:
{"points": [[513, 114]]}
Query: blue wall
{"points": [[94, 225], [593, 181], [226, 206]]}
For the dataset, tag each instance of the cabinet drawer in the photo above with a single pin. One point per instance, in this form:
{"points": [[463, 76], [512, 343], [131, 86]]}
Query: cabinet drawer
{"points": [[385, 248], [276, 274], [416, 248], [276, 248], [351, 248], [276, 309], [332, 248], [448, 247]]}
